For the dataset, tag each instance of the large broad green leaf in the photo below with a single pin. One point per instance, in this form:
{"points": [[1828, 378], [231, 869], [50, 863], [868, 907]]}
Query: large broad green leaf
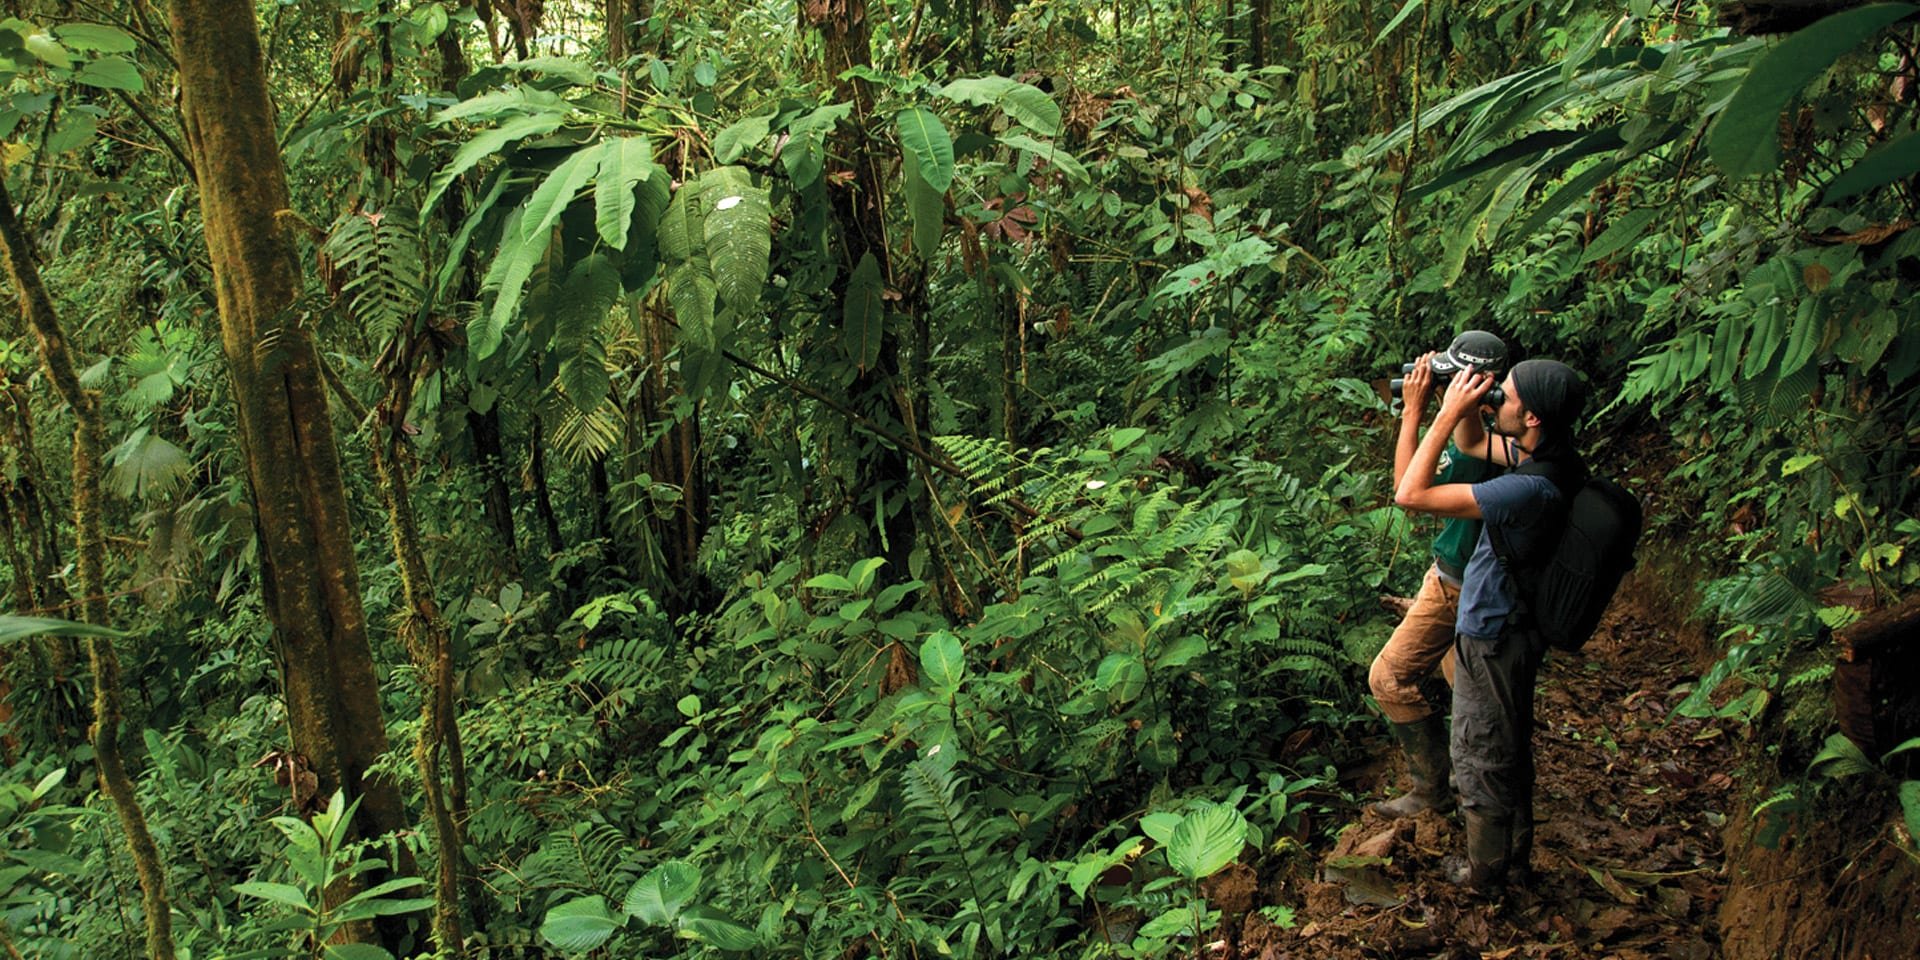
{"points": [[578, 926], [48, 50], [1123, 676], [739, 237], [927, 207], [591, 288], [1745, 138], [558, 190], [624, 162], [659, 896], [805, 152], [927, 140], [733, 142], [95, 36], [1897, 159], [281, 893], [864, 319], [111, 73], [1026, 104], [485, 145], [943, 662], [573, 71], [357, 951], [1206, 840]]}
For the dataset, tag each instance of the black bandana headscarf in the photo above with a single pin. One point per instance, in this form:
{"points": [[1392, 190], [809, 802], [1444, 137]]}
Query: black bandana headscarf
{"points": [[1554, 393]]}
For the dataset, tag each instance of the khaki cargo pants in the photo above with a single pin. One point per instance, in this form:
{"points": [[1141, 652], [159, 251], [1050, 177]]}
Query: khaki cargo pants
{"points": [[1422, 642]]}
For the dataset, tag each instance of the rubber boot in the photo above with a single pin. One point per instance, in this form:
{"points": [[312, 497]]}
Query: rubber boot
{"points": [[1424, 742], [1520, 847], [1484, 870]]}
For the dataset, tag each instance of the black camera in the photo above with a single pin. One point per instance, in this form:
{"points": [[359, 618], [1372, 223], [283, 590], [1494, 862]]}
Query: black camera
{"points": [[1478, 349]]}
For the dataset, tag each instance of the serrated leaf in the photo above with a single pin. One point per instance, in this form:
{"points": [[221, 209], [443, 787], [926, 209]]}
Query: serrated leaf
{"points": [[943, 662], [682, 233], [558, 190], [578, 926], [1745, 139], [512, 265], [1206, 840], [658, 897], [691, 291], [95, 36], [863, 318], [926, 139], [111, 73], [624, 163], [739, 237]]}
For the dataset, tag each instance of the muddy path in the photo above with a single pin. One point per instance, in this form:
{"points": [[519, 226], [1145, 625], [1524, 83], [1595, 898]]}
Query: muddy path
{"points": [[1628, 858]]}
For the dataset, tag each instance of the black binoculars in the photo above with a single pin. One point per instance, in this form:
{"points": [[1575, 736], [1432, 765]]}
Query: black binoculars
{"points": [[1475, 348], [1494, 397]]}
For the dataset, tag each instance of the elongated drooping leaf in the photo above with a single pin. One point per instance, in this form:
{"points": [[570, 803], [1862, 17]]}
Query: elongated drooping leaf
{"points": [[733, 142], [1053, 153], [683, 227], [95, 36], [927, 141], [512, 265], [1406, 10], [485, 145], [1621, 235], [739, 237], [14, 628], [624, 162], [928, 208], [864, 320], [1745, 139], [1895, 160], [557, 190]]}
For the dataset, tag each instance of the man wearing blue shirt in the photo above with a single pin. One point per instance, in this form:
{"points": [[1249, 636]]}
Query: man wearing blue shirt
{"points": [[1498, 656]]}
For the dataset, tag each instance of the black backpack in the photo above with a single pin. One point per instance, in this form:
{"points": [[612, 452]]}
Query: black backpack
{"points": [[1564, 594]]}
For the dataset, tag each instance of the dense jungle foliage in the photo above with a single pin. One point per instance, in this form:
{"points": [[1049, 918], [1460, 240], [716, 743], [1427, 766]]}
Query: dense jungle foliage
{"points": [[845, 478]]}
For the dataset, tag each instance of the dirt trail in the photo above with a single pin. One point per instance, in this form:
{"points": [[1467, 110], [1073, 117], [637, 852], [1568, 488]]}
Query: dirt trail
{"points": [[1627, 860]]}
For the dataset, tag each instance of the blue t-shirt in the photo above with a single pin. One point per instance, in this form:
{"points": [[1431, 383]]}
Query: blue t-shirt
{"points": [[1526, 507]]}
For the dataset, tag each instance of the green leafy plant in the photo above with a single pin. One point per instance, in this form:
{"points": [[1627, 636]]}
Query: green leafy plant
{"points": [[664, 897], [319, 858]]}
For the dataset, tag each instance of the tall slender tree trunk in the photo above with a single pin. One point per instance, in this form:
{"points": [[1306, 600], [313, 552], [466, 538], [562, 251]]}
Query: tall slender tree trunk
{"points": [[882, 475], [309, 580], [91, 552]]}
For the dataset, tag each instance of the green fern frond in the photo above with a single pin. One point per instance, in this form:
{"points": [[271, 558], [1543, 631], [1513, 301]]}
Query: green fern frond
{"points": [[585, 437], [381, 257]]}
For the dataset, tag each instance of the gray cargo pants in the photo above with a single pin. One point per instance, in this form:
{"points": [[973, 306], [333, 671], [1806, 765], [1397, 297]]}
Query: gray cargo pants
{"points": [[1493, 727]]}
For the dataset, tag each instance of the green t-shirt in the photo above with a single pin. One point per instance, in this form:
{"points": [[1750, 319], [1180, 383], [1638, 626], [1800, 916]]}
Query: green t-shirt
{"points": [[1455, 543]]}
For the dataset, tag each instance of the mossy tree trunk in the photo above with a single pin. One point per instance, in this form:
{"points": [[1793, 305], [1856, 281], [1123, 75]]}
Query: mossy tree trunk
{"points": [[90, 570], [308, 577]]}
